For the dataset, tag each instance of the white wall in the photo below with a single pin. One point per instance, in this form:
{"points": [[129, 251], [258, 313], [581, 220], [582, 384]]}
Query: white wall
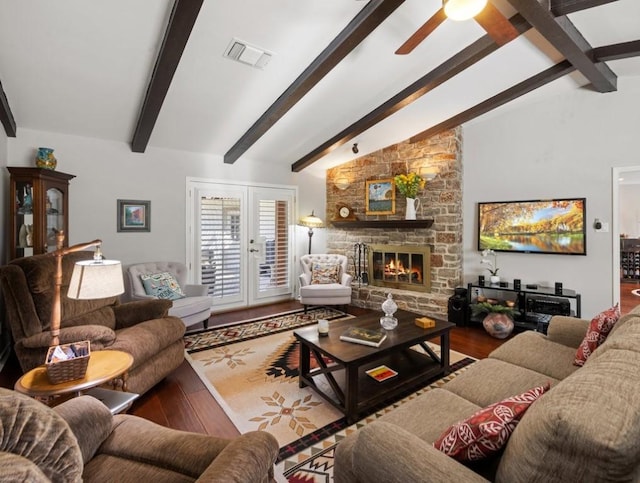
{"points": [[561, 147], [629, 195], [107, 171]]}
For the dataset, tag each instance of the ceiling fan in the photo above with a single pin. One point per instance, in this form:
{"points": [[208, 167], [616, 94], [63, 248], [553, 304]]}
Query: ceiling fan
{"points": [[489, 17]]}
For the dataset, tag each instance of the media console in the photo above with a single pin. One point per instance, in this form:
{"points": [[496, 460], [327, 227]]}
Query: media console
{"points": [[536, 305]]}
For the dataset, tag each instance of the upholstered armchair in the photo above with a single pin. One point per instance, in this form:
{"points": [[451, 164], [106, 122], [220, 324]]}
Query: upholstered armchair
{"points": [[191, 302], [142, 328], [324, 280], [80, 440]]}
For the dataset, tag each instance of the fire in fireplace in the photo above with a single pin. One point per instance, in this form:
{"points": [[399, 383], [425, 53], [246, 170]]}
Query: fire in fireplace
{"points": [[404, 267]]}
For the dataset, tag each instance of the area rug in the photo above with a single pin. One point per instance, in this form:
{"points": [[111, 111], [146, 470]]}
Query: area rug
{"points": [[636, 292], [251, 369]]}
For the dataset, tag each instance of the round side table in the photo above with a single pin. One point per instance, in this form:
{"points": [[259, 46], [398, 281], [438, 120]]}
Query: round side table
{"points": [[104, 366]]}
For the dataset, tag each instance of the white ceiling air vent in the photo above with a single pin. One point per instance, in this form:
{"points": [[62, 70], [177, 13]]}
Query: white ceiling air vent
{"points": [[247, 54]]}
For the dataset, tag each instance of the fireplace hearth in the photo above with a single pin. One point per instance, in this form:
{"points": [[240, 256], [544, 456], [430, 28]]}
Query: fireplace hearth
{"points": [[402, 267]]}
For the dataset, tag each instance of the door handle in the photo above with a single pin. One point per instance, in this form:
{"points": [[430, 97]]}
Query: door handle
{"points": [[253, 250]]}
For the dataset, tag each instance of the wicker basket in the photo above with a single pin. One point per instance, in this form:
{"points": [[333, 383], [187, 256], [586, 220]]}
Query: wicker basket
{"points": [[70, 369]]}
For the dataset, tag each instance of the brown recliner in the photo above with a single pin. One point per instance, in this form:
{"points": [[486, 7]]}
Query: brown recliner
{"points": [[80, 440], [141, 328]]}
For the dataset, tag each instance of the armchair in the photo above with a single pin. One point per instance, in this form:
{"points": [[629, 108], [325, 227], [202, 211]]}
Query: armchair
{"points": [[141, 328], [79, 440], [330, 285], [194, 308]]}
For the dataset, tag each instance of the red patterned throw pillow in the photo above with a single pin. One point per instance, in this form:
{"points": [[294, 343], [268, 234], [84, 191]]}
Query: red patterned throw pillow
{"points": [[487, 431], [597, 333]]}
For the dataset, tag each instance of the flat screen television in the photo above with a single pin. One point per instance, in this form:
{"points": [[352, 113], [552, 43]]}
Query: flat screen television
{"points": [[535, 226]]}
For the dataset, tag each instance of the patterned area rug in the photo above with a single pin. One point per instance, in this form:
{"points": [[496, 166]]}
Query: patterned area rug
{"points": [[251, 368]]}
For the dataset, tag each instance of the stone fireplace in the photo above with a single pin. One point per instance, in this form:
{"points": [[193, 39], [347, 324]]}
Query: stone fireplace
{"points": [[401, 267], [441, 201]]}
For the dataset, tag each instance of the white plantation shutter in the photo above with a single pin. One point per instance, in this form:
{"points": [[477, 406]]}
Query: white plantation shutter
{"points": [[273, 228], [220, 239]]}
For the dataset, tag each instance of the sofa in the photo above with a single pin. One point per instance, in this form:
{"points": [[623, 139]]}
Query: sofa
{"points": [[585, 428], [79, 440], [193, 308], [142, 328]]}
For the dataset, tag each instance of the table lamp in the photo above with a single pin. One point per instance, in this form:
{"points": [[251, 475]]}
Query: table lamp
{"points": [[91, 279]]}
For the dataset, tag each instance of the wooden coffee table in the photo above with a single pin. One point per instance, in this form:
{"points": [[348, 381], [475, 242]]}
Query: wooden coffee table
{"points": [[104, 367], [342, 365]]}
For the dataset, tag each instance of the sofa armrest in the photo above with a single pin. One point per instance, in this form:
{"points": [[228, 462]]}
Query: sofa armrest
{"points": [[137, 296], [132, 313], [249, 457], [386, 452], [346, 279], [305, 279], [99, 336], [192, 290], [90, 420], [567, 331]]}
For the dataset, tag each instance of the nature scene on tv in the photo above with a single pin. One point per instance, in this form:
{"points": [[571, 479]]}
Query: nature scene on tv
{"points": [[555, 226]]}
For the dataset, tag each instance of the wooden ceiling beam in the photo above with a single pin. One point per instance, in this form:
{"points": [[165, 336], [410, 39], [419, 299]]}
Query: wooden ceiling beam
{"points": [[183, 17], [367, 20], [565, 7], [6, 116], [475, 52], [563, 35], [524, 87], [624, 50]]}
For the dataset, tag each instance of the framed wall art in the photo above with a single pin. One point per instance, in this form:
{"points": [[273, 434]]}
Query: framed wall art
{"points": [[380, 197], [134, 215]]}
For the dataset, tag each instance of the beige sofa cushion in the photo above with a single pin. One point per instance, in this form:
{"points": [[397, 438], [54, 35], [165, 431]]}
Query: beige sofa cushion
{"points": [[417, 416], [584, 429], [534, 351], [490, 380]]}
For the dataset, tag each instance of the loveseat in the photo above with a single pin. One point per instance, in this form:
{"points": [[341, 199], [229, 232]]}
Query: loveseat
{"points": [[586, 428], [142, 328], [80, 440]]}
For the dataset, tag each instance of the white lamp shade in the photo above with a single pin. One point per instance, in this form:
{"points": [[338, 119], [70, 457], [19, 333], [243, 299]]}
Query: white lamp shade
{"points": [[463, 9], [311, 221], [96, 279]]}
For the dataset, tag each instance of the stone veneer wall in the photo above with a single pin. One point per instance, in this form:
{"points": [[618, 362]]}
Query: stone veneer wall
{"points": [[441, 201]]}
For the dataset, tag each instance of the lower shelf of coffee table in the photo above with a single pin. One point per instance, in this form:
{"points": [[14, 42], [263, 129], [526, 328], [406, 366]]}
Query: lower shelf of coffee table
{"points": [[414, 369]]}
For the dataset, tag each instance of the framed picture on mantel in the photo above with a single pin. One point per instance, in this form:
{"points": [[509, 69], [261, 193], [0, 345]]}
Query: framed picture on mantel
{"points": [[380, 197], [134, 215]]}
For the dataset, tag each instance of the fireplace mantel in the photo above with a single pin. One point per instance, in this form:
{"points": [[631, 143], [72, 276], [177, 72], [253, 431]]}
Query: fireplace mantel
{"points": [[382, 223]]}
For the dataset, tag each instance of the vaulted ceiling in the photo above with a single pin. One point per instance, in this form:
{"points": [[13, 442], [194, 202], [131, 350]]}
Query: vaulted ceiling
{"points": [[152, 73]]}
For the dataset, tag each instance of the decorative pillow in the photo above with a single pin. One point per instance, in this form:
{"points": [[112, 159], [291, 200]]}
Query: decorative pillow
{"points": [[486, 432], [597, 332], [162, 285], [325, 273]]}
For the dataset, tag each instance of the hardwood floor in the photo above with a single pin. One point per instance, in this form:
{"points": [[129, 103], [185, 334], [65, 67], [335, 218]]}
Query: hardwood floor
{"points": [[182, 401], [627, 300]]}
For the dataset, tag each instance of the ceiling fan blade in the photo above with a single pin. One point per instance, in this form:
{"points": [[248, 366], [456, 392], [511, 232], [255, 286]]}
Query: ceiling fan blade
{"points": [[422, 33], [497, 25]]}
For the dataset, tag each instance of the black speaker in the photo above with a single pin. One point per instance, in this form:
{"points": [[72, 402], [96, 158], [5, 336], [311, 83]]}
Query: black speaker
{"points": [[558, 288], [517, 285], [458, 310], [481, 280]]}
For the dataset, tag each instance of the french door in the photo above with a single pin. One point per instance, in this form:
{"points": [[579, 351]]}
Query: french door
{"points": [[241, 241]]}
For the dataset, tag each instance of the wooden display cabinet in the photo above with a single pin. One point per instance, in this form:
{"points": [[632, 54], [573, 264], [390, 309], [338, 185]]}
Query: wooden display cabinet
{"points": [[38, 209]]}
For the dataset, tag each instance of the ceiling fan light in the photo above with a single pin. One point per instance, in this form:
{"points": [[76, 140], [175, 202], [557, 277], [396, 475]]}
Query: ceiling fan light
{"points": [[463, 9]]}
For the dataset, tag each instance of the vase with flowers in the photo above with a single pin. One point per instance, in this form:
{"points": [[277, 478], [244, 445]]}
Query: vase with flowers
{"points": [[492, 264], [408, 186]]}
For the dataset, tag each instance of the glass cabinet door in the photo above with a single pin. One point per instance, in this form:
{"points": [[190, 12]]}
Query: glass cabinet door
{"points": [[24, 224], [54, 208]]}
